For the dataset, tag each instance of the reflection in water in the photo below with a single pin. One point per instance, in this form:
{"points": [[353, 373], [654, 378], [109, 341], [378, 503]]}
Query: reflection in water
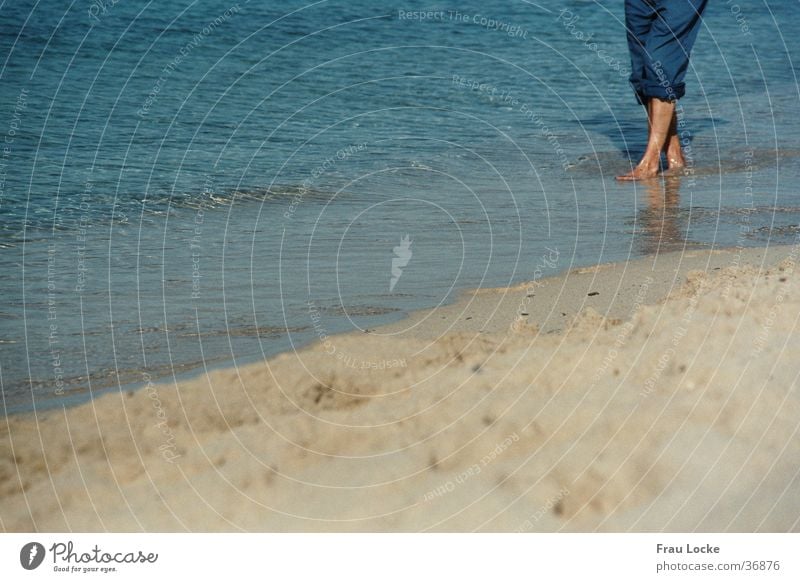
{"points": [[658, 219]]}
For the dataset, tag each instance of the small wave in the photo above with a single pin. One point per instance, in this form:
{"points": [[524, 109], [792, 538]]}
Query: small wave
{"points": [[245, 331], [357, 310]]}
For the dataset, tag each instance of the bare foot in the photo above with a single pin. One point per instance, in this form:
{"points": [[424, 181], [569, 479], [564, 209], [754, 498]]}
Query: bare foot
{"points": [[676, 164], [641, 172], [675, 159], [673, 151]]}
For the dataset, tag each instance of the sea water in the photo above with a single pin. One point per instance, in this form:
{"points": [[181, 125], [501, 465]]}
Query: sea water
{"points": [[185, 185]]}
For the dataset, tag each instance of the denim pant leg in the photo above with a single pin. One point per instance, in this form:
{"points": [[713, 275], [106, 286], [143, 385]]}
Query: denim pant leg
{"points": [[639, 16], [663, 33]]}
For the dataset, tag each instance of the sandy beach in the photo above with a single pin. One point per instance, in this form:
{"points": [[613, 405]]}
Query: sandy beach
{"points": [[658, 394]]}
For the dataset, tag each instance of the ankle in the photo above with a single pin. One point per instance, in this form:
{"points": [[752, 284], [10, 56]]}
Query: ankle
{"points": [[674, 157]]}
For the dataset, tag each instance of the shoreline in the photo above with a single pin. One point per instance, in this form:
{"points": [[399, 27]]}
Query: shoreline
{"points": [[481, 302], [493, 309], [567, 403]]}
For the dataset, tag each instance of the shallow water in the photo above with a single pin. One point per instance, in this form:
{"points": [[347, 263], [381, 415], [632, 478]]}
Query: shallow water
{"points": [[188, 184]]}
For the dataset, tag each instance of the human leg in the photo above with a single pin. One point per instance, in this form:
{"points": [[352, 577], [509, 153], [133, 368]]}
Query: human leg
{"points": [[660, 119], [662, 66], [672, 147]]}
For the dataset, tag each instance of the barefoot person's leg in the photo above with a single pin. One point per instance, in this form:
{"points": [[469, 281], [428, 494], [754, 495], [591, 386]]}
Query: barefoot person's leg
{"points": [[660, 58], [661, 117], [672, 148]]}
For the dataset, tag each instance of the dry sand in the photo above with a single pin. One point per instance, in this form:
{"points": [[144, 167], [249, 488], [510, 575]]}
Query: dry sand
{"points": [[657, 394]]}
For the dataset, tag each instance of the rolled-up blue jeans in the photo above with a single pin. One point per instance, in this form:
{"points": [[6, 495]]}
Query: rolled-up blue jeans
{"points": [[661, 34]]}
